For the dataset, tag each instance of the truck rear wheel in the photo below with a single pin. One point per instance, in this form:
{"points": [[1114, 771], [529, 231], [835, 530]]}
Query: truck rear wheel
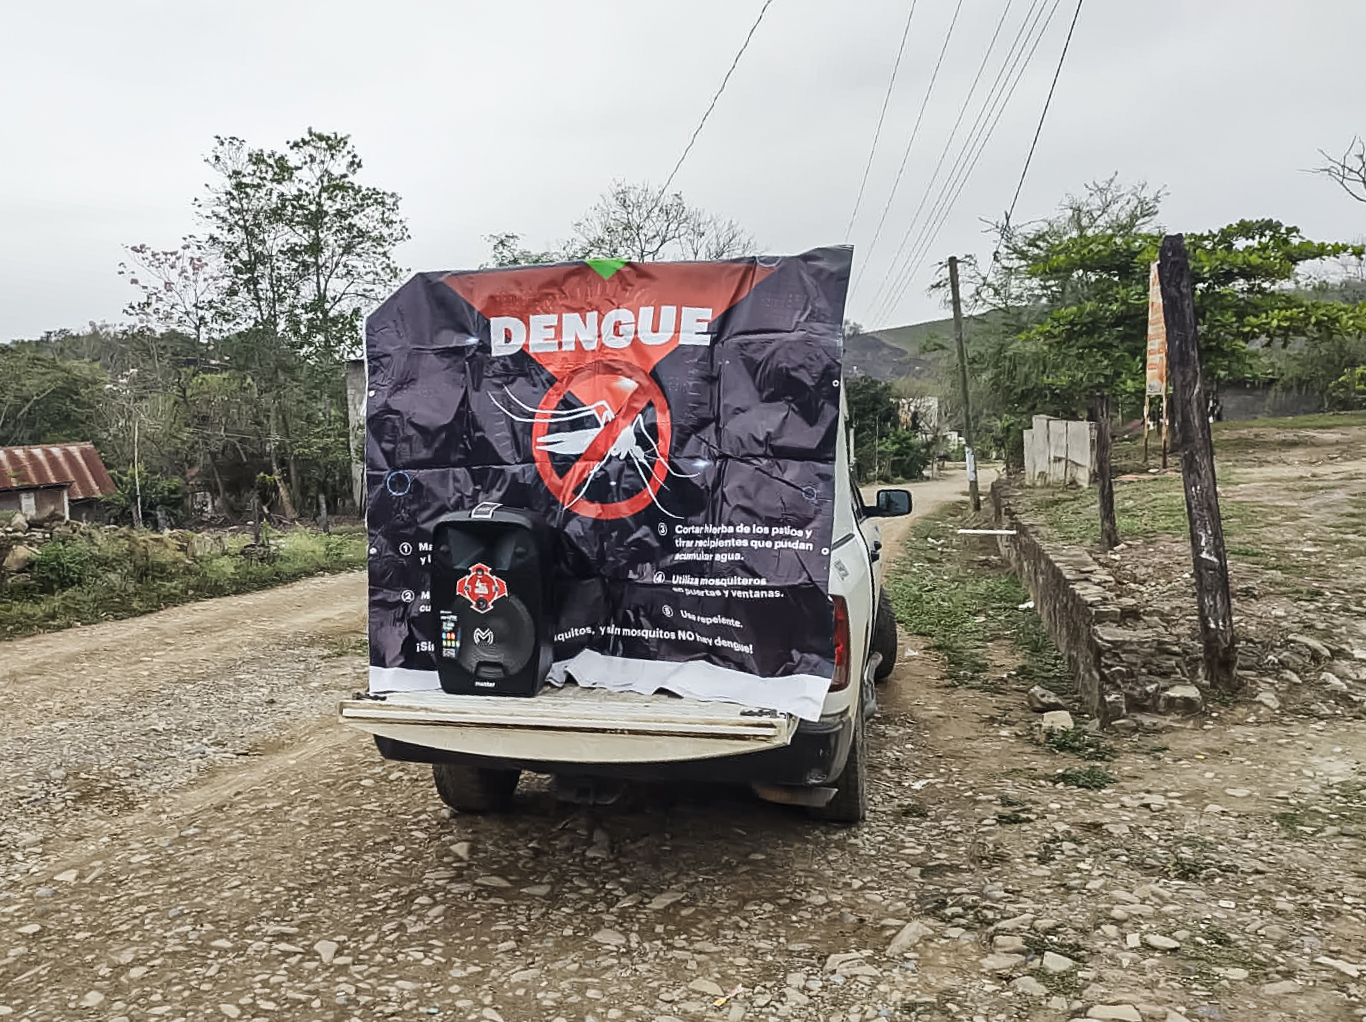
{"points": [[884, 636], [469, 789], [850, 804]]}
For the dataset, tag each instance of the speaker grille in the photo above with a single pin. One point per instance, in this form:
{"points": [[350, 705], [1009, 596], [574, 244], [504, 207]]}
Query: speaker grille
{"points": [[504, 637]]}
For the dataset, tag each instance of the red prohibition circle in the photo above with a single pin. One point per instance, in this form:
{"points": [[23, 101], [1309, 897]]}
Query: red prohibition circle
{"points": [[563, 487]]}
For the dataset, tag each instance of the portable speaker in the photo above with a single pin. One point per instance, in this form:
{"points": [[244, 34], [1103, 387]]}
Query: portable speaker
{"points": [[491, 595]]}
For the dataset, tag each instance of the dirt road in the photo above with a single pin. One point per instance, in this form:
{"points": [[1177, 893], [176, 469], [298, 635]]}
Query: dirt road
{"points": [[190, 837]]}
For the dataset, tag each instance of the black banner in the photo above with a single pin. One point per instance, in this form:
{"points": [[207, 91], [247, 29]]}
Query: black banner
{"points": [[675, 422]]}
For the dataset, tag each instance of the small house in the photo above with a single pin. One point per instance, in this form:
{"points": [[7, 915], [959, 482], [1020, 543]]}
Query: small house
{"points": [[53, 480]]}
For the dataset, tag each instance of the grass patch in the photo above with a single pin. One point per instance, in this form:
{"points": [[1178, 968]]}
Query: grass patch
{"points": [[1065, 984], [94, 575], [1079, 742], [1212, 949], [960, 607], [1188, 869], [1156, 507], [1092, 778], [1294, 823], [1043, 663], [1328, 420], [1152, 509], [1013, 818], [1189, 860], [915, 811], [1040, 943]]}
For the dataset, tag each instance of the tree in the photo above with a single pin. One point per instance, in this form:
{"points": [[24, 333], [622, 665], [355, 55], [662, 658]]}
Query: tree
{"points": [[304, 248], [507, 250], [1348, 170], [882, 449], [638, 223], [340, 237], [1074, 294], [45, 400], [180, 288]]}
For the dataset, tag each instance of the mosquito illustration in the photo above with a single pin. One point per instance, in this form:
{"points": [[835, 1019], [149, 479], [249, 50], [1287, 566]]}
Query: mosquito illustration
{"points": [[626, 447]]}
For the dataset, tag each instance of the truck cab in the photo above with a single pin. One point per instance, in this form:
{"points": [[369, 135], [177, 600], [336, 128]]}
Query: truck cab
{"points": [[593, 739]]}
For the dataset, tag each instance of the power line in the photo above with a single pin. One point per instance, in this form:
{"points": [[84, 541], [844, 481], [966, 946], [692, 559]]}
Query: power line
{"points": [[991, 114], [877, 132], [911, 239], [929, 89], [967, 100], [1008, 80], [712, 106], [946, 208], [1046, 103]]}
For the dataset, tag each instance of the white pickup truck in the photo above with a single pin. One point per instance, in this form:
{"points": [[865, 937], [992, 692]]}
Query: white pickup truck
{"points": [[592, 739]]}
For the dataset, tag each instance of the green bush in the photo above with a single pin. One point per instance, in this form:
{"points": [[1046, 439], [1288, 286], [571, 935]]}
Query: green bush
{"points": [[902, 455], [98, 575], [61, 564], [157, 491], [1348, 392]]}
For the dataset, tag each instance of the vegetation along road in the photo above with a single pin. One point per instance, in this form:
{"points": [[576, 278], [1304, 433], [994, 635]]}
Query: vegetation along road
{"points": [[187, 835]]}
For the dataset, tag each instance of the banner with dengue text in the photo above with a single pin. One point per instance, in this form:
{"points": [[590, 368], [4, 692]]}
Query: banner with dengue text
{"points": [[675, 423]]}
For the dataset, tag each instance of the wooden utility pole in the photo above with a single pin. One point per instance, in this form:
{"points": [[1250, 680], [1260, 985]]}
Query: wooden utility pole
{"points": [[963, 376], [137, 478], [1191, 422], [1109, 528]]}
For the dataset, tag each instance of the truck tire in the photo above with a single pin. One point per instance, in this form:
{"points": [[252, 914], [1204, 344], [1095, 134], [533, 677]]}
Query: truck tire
{"points": [[884, 636], [469, 789], [850, 804]]}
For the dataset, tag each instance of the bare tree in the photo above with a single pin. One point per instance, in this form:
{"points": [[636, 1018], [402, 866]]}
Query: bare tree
{"points": [[711, 236], [638, 223], [1348, 170], [179, 287], [633, 222]]}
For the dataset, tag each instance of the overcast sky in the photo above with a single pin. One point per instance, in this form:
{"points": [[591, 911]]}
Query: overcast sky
{"points": [[514, 115]]}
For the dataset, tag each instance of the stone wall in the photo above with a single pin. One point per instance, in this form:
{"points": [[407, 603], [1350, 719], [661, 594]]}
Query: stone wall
{"points": [[1122, 663]]}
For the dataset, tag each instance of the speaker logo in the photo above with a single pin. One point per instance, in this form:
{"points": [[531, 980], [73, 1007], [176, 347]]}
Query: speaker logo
{"points": [[483, 636], [482, 588]]}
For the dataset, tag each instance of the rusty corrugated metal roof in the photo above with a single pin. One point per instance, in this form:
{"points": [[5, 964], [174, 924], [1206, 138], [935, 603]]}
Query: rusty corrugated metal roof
{"points": [[78, 465]]}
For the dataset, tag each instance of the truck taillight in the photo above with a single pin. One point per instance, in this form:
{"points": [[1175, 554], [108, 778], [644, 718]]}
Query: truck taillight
{"points": [[843, 651]]}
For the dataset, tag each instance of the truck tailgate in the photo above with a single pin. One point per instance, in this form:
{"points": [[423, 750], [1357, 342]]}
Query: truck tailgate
{"points": [[572, 725]]}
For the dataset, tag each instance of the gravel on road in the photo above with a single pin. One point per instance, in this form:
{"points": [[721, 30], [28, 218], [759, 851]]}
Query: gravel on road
{"points": [[286, 872]]}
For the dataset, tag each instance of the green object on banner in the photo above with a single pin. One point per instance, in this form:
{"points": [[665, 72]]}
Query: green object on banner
{"points": [[606, 267]]}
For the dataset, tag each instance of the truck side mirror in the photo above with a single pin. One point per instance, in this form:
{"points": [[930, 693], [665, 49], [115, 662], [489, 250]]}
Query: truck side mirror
{"points": [[893, 503]]}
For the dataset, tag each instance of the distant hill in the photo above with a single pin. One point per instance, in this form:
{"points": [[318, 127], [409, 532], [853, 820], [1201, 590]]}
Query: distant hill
{"points": [[870, 355], [897, 352], [911, 339]]}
